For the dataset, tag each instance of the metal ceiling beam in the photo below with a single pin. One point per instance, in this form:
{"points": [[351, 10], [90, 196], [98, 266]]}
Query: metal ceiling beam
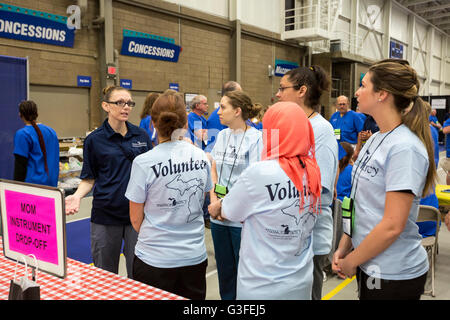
{"points": [[432, 8], [416, 2], [438, 16], [442, 23]]}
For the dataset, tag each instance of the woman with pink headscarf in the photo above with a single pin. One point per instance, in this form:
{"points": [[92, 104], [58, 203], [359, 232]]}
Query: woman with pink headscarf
{"points": [[278, 200]]}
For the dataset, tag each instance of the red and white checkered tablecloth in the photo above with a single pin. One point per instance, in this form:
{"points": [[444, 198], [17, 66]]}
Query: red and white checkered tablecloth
{"points": [[83, 282]]}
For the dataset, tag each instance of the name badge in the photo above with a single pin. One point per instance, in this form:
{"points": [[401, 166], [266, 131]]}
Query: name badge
{"points": [[348, 216], [220, 190], [337, 134]]}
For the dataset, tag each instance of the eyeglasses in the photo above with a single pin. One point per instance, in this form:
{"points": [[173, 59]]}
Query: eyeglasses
{"points": [[341, 104], [281, 89], [122, 104]]}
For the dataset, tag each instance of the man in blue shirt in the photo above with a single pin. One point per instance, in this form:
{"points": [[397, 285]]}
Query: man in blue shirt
{"points": [[346, 123], [197, 126]]}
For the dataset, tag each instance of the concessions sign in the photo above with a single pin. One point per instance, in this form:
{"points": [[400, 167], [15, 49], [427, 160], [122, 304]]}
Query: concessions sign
{"points": [[33, 222], [36, 26], [283, 66], [144, 45]]}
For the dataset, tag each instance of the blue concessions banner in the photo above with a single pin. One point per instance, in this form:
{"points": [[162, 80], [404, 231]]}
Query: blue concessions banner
{"points": [[282, 66], [36, 26], [149, 46]]}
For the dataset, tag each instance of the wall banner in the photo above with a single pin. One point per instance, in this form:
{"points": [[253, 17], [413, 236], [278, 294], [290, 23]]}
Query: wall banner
{"points": [[282, 66], [35, 26], [149, 46]]}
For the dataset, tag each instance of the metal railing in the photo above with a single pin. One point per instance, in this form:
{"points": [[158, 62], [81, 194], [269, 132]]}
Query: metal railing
{"points": [[313, 16]]}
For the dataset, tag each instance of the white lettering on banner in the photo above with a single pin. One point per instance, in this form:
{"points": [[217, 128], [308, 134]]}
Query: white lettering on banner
{"points": [[150, 50], [281, 70], [32, 31]]}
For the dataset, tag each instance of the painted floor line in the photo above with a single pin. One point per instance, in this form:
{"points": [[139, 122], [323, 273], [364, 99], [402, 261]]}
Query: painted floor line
{"points": [[211, 273], [341, 286]]}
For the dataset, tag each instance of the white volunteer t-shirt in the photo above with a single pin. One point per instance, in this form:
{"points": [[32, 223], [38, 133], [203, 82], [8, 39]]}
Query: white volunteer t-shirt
{"points": [[171, 179], [399, 162], [275, 258], [233, 147], [327, 160]]}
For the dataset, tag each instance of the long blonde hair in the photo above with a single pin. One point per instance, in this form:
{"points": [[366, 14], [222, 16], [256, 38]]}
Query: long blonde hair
{"points": [[400, 79]]}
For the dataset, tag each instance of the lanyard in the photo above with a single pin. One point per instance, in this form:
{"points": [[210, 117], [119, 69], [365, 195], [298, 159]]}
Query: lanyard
{"points": [[234, 162], [368, 157]]}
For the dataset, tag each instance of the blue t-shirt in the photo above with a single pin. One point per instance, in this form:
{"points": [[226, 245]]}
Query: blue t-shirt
{"points": [[390, 161], [107, 159], [435, 138], [26, 144], [344, 183], [257, 125], [276, 254], [350, 125], [171, 180], [196, 122], [214, 127], [147, 125], [433, 119], [447, 138], [327, 160]]}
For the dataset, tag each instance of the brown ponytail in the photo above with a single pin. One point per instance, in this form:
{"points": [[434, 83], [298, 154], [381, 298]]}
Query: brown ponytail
{"points": [[28, 111], [401, 80]]}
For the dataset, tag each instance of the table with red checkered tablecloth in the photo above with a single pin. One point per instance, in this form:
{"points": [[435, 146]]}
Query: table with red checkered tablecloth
{"points": [[83, 282]]}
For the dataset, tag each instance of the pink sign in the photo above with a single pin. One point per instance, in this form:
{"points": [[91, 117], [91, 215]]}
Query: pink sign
{"points": [[32, 225]]}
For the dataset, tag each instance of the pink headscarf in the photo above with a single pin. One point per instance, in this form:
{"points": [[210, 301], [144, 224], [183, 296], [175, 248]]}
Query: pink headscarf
{"points": [[295, 148]]}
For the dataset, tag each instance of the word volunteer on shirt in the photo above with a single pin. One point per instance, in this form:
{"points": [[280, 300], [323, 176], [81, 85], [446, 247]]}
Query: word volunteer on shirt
{"points": [[175, 168]]}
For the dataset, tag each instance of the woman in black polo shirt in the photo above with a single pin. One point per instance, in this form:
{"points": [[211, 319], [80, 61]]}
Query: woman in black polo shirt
{"points": [[108, 154]]}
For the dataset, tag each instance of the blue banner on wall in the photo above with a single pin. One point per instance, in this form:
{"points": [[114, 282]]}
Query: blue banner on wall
{"points": [[126, 83], [174, 86], [84, 81], [36, 26], [282, 66], [149, 46], [396, 50]]}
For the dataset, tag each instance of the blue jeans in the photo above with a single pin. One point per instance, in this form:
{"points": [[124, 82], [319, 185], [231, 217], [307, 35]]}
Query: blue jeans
{"points": [[227, 242], [205, 207]]}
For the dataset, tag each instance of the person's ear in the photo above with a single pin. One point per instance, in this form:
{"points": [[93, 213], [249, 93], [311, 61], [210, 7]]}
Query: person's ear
{"points": [[105, 106], [302, 91]]}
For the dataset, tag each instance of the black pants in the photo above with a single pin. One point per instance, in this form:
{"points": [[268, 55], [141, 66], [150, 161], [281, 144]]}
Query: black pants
{"points": [[188, 282], [371, 288]]}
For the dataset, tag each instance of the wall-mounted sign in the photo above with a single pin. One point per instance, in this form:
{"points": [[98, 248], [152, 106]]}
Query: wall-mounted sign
{"points": [[33, 222], [149, 46], [36, 26], [174, 86], [396, 50], [282, 66], [84, 81], [439, 103], [126, 83]]}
